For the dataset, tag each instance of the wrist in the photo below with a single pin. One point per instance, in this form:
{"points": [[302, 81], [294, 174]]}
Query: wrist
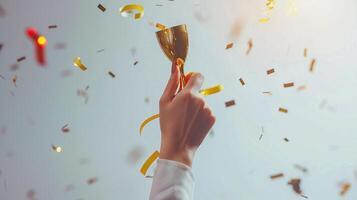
{"points": [[184, 157]]}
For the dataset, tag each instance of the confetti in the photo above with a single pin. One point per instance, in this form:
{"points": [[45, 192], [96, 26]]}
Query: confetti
{"points": [[268, 93], [241, 81], [147, 121], [292, 8], [111, 74], [92, 180], [344, 188], [52, 26], [21, 58], [269, 6], [135, 63], [101, 7], [31, 194], [250, 46], [14, 80], [286, 85], [295, 183], [312, 64], [283, 110], [128, 9], [147, 100], [305, 52], [160, 26], [1, 45], [230, 103], [65, 129], [57, 149], [100, 50], [148, 162], [78, 63], [66, 73], [14, 67], [302, 87], [230, 45], [301, 168], [270, 71], [275, 176], [40, 42], [84, 94], [261, 136], [236, 29], [264, 20], [286, 139]]}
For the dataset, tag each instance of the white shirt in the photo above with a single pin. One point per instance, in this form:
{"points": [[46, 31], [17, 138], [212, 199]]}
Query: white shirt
{"points": [[172, 181]]}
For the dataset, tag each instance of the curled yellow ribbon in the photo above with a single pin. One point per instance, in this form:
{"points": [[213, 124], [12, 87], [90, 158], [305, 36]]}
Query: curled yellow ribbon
{"points": [[149, 162], [147, 121], [131, 7]]}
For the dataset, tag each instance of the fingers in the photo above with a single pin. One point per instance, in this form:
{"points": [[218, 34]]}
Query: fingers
{"points": [[195, 83], [173, 83]]}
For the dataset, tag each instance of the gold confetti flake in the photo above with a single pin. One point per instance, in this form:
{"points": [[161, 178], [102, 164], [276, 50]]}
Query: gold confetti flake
{"points": [[344, 188], [65, 129], [295, 183], [275, 176], [129, 9], [21, 58], [241, 81], [270, 71], [148, 162], [160, 26], [230, 45], [250, 46], [312, 64], [101, 7], [111, 74], [57, 149], [269, 6], [305, 52], [14, 80], [78, 63], [286, 85], [230, 103], [283, 110]]}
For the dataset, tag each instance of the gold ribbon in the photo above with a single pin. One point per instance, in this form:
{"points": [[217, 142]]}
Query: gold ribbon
{"points": [[149, 162], [129, 8]]}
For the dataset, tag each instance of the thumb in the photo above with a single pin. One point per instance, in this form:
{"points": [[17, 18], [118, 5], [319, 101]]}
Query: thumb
{"points": [[172, 84], [195, 83]]}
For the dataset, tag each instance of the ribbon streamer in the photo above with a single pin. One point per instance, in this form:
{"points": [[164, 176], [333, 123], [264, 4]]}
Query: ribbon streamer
{"points": [[149, 162], [125, 10]]}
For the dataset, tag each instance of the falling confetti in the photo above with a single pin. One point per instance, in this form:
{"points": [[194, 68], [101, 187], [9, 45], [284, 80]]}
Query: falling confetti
{"points": [[148, 162], [301, 168], [84, 94], [312, 64], [241, 81], [276, 176], [302, 87], [57, 149], [286, 139], [160, 26], [78, 63], [65, 129], [286, 85], [1, 45], [305, 52], [268, 93], [111, 74], [101, 7], [135, 63], [52, 26], [21, 58], [14, 80], [283, 110], [270, 71], [269, 6], [92, 180], [100, 50], [229, 45], [230, 103], [295, 183], [250, 46], [344, 188], [129, 9]]}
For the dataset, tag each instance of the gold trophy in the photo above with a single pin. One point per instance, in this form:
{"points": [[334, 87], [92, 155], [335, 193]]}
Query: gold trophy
{"points": [[174, 43]]}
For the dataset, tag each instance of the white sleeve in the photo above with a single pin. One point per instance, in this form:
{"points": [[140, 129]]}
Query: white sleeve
{"points": [[172, 181]]}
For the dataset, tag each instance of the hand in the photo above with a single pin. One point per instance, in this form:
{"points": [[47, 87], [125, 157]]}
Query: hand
{"points": [[185, 118]]}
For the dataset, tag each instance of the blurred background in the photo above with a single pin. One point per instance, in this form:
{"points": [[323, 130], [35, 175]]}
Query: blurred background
{"points": [[94, 118]]}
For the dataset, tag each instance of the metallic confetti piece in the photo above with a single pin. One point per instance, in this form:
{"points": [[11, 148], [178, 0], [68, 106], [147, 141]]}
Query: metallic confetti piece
{"points": [[21, 58], [290, 84], [229, 45], [301, 168], [135, 63], [57, 149], [269, 6], [312, 64], [286, 139], [283, 110], [111, 74], [268, 93], [92, 180], [250, 46], [149, 176], [101, 7], [344, 188], [305, 52], [128, 9], [241, 81], [261, 136], [1, 45], [295, 183], [212, 90], [147, 121], [78, 63], [52, 26], [100, 50], [14, 80], [160, 26], [230, 103], [275, 176], [148, 162], [65, 129], [270, 71], [264, 20]]}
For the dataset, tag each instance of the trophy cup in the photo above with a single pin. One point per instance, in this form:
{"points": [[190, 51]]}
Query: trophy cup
{"points": [[174, 43]]}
